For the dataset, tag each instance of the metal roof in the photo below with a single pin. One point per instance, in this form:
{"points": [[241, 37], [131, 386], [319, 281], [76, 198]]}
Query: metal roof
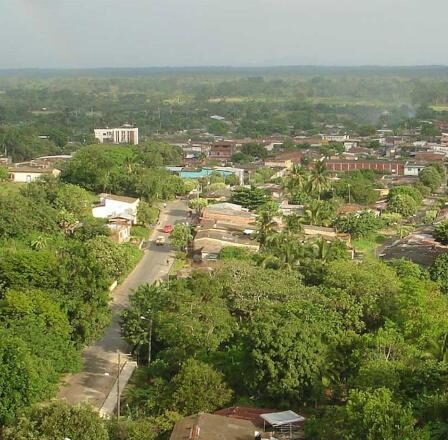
{"points": [[282, 418]]}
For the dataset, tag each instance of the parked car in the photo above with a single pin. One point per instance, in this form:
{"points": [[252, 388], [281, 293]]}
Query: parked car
{"points": [[160, 241], [168, 229]]}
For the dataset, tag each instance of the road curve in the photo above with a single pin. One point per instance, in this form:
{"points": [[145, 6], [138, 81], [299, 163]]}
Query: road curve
{"points": [[99, 371]]}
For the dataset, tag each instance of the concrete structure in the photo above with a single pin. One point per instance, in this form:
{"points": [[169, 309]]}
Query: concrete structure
{"points": [[30, 174], [222, 150], [413, 169], [120, 229], [126, 134], [335, 137], [112, 206]]}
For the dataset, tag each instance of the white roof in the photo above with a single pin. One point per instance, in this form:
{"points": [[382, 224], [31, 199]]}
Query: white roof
{"points": [[282, 418]]}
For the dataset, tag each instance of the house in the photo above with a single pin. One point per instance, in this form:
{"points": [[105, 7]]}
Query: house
{"points": [[120, 229], [222, 151], [30, 174], [228, 213], [126, 134], [112, 206], [213, 427], [208, 243], [413, 168], [286, 164]]}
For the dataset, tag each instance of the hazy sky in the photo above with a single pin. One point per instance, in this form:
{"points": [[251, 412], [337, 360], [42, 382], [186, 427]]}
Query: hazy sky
{"points": [[138, 33]]}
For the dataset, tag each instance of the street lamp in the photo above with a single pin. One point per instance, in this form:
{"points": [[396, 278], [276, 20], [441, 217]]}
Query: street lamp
{"points": [[149, 336]]}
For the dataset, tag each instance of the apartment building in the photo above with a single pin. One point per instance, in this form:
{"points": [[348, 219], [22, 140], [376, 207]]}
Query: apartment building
{"points": [[126, 134]]}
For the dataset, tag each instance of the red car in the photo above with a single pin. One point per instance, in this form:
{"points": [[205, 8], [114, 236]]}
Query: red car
{"points": [[167, 229]]}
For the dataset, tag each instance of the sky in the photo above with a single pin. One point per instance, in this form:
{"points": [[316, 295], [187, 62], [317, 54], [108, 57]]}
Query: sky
{"points": [[146, 33]]}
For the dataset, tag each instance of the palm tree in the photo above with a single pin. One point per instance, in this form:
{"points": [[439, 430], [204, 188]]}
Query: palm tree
{"points": [[40, 242], [285, 249], [296, 180], [320, 250], [319, 180]]}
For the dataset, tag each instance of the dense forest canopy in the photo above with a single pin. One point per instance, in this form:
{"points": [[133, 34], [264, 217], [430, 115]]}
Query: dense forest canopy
{"points": [[67, 105]]}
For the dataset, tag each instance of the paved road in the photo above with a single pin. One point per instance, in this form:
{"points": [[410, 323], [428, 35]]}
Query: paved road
{"points": [[96, 380]]}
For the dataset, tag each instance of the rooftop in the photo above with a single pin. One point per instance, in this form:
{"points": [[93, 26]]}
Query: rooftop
{"points": [[124, 199], [212, 427]]}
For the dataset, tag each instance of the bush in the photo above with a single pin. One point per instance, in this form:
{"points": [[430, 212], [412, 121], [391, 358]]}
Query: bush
{"points": [[359, 224], [403, 204], [441, 232]]}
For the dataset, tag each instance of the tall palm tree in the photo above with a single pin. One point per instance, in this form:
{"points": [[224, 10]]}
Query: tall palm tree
{"points": [[296, 180], [319, 180]]}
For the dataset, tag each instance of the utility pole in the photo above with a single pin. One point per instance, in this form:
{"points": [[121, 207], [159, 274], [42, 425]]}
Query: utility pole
{"points": [[349, 194], [149, 341]]}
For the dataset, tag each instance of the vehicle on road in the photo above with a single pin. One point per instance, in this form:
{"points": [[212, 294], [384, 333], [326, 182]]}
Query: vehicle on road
{"points": [[160, 241], [168, 229]]}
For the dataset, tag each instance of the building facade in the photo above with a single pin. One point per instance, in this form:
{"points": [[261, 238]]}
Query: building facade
{"points": [[126, 134]]}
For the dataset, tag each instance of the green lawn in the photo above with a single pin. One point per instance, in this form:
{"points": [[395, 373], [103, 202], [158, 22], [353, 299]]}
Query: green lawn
{"points": [[369, 245], [179, 263]]}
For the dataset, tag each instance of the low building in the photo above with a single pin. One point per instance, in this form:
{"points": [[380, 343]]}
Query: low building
{"points": [[222, 151], [387, 167], [208, 243], [228, 213], [413, 169], [286, 164], [213, 427], [30, 174], [120, 229], [287, 209], [126, 134], [112, 206], [430, 156]]}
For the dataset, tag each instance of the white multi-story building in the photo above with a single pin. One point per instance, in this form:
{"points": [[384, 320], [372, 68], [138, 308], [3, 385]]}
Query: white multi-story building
{"points": [[126, 134]]}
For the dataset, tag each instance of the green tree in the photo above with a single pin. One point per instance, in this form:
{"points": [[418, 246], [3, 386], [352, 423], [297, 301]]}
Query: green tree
{"points": [[24, 378], [146, 214], [198, 388], [181, 236], [441, 232], [439, 269], [402, 204], [319, 180], [58, 420], [374, 415], [430, 177], [198, 205], [250, 198]]}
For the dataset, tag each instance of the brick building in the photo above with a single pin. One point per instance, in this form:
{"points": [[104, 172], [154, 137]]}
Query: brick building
{"points": [[335, 165]]}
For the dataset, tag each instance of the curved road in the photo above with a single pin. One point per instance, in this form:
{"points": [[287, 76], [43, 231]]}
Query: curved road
{"points": [[96, 380]]}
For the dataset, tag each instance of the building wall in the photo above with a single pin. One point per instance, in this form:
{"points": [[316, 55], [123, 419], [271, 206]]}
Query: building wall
{"points": [[123, 135], [412, 170], [388, 167]]}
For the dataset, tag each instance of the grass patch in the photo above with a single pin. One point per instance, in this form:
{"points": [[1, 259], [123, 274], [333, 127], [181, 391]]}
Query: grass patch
{"points": [[369, 245], [140, 232], [180, 262], [440, 108]]}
